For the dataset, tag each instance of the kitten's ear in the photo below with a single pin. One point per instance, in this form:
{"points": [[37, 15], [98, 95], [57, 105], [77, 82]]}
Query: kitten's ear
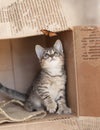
{"points": [[39, 51], [58, 46]]}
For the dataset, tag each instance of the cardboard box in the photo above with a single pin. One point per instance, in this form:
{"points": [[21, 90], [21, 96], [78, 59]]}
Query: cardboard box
{"points": [[19, 65]]}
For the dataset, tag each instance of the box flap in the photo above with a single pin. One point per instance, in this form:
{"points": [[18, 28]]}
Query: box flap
{"points": [[26, 18]]}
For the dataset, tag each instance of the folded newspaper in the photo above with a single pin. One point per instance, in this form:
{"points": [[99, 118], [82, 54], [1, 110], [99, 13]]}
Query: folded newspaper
{"points": [[27, 17]]}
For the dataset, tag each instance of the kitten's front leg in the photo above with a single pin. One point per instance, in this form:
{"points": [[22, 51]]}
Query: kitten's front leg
{"points": [[48, 101], [62, 107]]}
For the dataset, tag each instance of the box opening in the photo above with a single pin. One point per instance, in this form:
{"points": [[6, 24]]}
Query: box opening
{"points": [[19, 63]]}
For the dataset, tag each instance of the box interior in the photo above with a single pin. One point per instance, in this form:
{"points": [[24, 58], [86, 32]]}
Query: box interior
{"points": [[19, 64]]}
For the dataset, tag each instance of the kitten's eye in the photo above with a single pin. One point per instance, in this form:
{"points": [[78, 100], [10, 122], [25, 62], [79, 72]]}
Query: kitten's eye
{"points": [[46, 56], [56, 54]]}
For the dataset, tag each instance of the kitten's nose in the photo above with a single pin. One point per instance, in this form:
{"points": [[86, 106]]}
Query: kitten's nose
{"points": [[52, 58], [52, 55]]}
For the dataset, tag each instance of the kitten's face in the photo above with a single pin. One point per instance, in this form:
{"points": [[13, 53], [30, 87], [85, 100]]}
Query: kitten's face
{"points": [[51, 57]]}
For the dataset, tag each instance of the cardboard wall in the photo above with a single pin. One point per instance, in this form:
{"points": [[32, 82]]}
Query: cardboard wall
{"points": [[87, 54], [68, 42], [18, 62]]}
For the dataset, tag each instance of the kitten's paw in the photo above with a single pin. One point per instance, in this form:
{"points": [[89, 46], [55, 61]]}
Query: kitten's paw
{"points": [[64, 110], [51, 108], [67, 110]]}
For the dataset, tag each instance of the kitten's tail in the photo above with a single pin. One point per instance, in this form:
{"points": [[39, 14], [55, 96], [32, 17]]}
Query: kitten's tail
{"points": [[12, 93]]}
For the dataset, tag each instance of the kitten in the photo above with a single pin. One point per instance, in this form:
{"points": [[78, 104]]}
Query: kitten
{"points": [[48, 91]]}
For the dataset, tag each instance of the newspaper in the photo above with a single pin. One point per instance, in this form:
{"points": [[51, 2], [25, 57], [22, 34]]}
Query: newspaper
{"points": [[27, 17]]}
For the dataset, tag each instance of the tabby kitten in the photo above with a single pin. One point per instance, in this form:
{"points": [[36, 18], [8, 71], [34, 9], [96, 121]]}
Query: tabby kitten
{"points": [[48, 91]]}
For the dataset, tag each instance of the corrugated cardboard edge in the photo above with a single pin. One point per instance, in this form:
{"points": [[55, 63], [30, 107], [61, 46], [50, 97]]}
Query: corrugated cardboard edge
{"points": [[74, 48], [61, 123], [45, 124], [89, 123]]}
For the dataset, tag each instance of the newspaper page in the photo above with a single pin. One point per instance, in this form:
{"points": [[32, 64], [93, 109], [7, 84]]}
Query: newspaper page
{"points": [[24, 18]]}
